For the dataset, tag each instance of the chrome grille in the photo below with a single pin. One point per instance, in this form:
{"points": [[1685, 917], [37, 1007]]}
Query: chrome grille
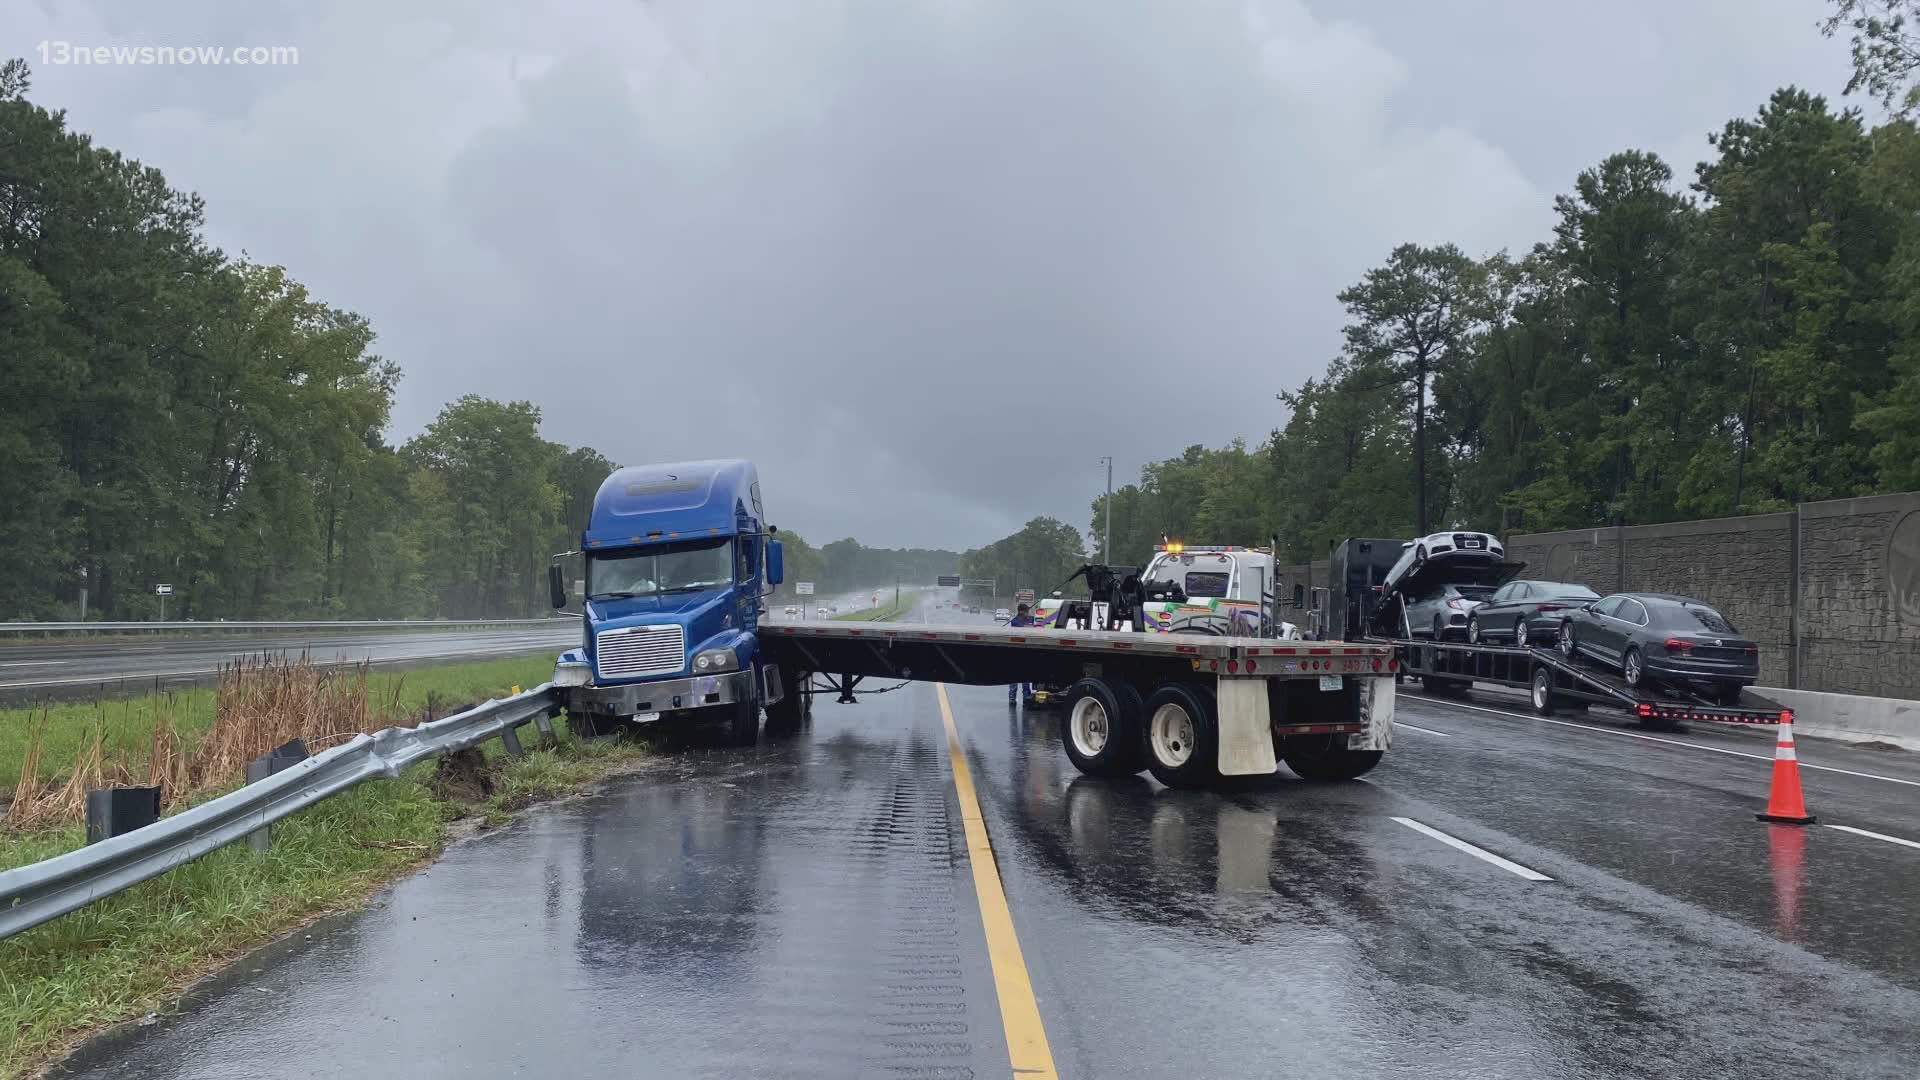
{"points": [[640, 650]]}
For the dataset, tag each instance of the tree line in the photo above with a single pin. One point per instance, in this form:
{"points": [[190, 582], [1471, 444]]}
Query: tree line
{"points": [[1039, 557], [1735, 344], [846, 565], [171, 415]]}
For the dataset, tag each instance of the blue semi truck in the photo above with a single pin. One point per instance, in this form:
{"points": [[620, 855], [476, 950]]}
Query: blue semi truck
{"points": [[679, 560]]}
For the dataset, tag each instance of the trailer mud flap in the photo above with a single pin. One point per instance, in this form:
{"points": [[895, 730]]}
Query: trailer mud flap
{"points": [[1376, 711], [1246, 728]]}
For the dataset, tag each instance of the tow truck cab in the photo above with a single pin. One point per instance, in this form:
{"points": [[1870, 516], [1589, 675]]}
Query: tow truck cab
{"points": [[678, 564]]}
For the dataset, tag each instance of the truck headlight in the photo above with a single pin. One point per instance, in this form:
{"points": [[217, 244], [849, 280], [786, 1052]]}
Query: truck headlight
{"points": [[570, 673], [709, 661]]}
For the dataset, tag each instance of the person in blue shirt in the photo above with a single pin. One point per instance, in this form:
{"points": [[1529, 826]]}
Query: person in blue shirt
{"points": [[1021, 617]]}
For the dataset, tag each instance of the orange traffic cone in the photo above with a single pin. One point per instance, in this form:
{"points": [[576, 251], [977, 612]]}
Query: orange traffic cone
{"points": [[1785, 804]]}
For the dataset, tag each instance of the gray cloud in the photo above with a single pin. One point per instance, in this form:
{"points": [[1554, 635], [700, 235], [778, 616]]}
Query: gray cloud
{"points": [[924, 261]]}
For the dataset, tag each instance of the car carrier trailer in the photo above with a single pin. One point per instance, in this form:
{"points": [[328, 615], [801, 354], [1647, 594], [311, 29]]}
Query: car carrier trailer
{"points": [[1357, 605], [1554, 682], [1189, 708]]}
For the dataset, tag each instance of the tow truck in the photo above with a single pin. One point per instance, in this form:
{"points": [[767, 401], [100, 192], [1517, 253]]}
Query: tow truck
{"points": [[1362, 610]]}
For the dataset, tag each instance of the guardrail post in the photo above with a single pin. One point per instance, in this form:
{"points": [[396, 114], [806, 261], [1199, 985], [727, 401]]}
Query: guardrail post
{"points": [[280, 757], [112, 811], [544, 722], [511, 738]]}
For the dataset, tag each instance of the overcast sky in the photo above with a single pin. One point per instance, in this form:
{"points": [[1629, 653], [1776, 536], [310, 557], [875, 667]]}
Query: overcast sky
{"points": [[925, 261]]}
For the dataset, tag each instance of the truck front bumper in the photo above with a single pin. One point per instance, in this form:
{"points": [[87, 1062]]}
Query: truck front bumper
{"points": [[635, 699]]}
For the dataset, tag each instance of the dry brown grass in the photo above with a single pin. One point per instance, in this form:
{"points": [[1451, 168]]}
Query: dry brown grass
{"points": [[260, 703], [263, 703]]}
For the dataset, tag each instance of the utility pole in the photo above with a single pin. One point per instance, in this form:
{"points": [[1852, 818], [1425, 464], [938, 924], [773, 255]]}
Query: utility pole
{"points": [[1106, 544]]}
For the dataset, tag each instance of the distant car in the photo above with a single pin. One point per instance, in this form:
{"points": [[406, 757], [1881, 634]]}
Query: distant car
{"points": [[1662, 637], [792, 610], [1442, 611], [1466, 551], [1523, 611], [1001, 615], [821, 613], [973, 610]]}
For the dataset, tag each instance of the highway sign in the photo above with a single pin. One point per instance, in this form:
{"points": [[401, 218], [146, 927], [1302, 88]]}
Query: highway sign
{"points": [[949, 580], [163, 590], [803, 588]]}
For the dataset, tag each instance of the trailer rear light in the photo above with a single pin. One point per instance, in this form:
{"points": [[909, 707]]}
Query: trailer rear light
{"points": [[1376, 663], [1252, 667], [1393, 664], [1644, 710], [1233, 667], [1675, 644]]}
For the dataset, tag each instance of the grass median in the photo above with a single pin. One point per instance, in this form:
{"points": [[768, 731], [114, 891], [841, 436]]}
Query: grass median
{"points": [[885, 612], [132, 954]]}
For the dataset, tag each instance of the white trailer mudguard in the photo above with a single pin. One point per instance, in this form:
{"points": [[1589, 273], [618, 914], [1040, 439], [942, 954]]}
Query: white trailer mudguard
{"points": [[1246, 728], [1376, 711]]}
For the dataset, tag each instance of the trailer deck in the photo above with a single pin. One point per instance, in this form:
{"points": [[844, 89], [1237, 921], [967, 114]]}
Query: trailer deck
{"points": [[1190, 707], [989, 655]]}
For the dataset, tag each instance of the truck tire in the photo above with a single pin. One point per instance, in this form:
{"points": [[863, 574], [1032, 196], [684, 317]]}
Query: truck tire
{"points": [[742, 725], [790, 713], [1541, 692], [1102, 728], [1180, 736], [1316, 757], [586, 725]]}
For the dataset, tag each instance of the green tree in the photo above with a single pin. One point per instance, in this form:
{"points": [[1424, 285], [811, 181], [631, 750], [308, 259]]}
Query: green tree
{"points": [[1885, 35], [1408, 321]]}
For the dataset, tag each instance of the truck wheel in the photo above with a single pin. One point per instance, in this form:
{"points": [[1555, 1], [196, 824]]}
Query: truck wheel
{"points": [[1181, 736], [1102, 732], [786, 716], [586, 725], [1542, 690], [743, 723], [1317, 757]]}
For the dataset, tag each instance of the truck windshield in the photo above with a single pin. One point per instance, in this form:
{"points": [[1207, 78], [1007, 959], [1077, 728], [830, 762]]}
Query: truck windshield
{"points": [[1188, 574], [666, 568]]}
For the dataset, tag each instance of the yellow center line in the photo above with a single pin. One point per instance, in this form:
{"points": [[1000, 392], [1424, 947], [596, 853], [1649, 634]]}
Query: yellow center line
{"points": [[1019, 1012]]}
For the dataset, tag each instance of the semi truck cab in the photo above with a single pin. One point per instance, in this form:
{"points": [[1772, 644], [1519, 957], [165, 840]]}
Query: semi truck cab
{"points": [[679, 562]]}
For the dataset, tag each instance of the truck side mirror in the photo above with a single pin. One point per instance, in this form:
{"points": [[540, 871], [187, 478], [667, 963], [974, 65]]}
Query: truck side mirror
{"points": [[776, 563], [556, 586], [1299, 595]]}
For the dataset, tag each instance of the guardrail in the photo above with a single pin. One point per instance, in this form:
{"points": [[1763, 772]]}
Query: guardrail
{"points": [[238, 627], [33, 894]]}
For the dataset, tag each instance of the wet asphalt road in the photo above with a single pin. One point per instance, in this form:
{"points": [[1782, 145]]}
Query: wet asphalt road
{"points": [[29, 671], [804, 908]]}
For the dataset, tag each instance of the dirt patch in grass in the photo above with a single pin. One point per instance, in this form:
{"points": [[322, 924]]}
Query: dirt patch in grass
{"points": [[462, 779]]}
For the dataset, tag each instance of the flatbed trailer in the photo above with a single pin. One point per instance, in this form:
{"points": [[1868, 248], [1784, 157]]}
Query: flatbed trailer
{"points": [[1554, 681], [1188, 707]]}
